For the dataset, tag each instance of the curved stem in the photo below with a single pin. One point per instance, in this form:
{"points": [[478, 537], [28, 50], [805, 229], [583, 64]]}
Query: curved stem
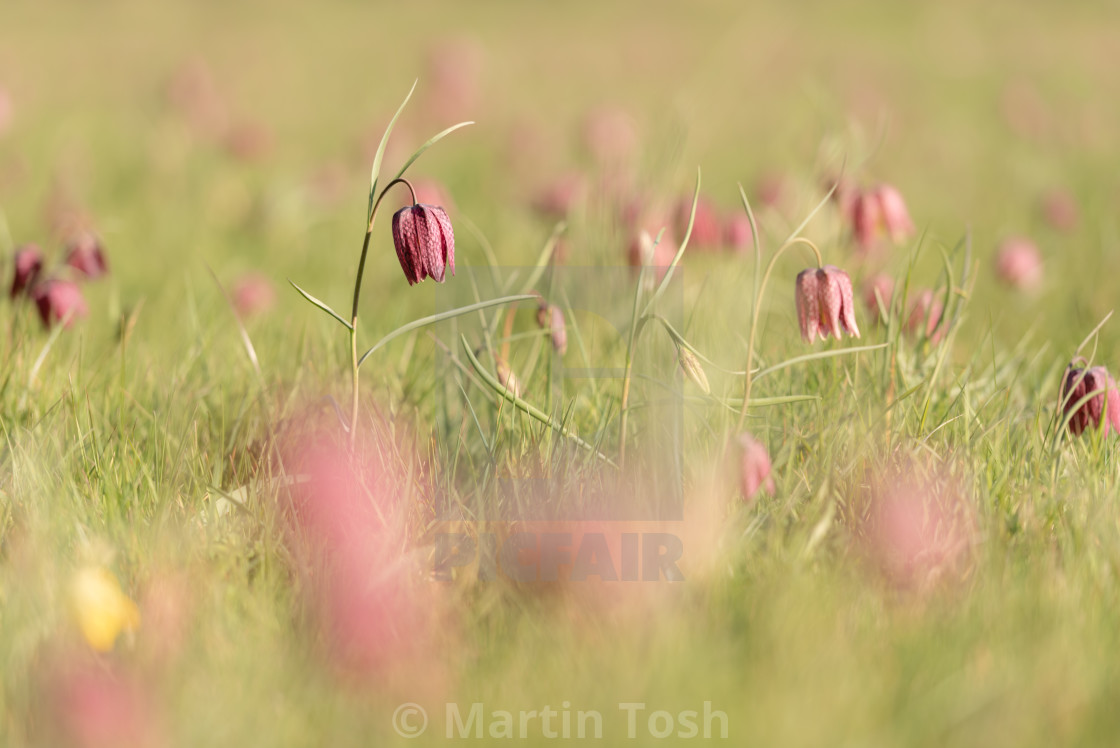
{"points": [[357, 296], [747, 376]]}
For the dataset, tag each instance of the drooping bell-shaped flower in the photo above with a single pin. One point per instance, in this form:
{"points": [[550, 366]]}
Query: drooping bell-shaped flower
{"points": [[28, 263], [59, 301], [551, 318], [87, 256], [754, 468], [424, 241], [1098, 384], [824, 303]]}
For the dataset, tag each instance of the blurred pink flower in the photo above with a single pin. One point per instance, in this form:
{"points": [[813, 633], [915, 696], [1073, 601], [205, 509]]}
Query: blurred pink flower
{"points": [[1018, 263], [896, 218], [877, 213], [925, 315], [609, 136], [867, 220], [1077, 383], [754, 468], [918, 527], [85, 254], [737, 232], [425, 242], [707, 228], [92, 704], [347, 524], [28, 262], [558, 199], [59, 301], [550, 317], [883, 285], [824, 303], [253, 294], [643, 251], [1060, 210]]}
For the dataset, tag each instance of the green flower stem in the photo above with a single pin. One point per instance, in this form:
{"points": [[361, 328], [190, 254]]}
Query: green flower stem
{"points": [[357, 296]]}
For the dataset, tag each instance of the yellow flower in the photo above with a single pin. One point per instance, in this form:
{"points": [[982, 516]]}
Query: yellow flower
{"points": [[101, 609]]}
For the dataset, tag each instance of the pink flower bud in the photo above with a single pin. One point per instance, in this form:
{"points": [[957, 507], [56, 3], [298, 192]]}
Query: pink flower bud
{"points": [[506, 377], [86, 256], [425, 242], [1019, 264], [824, 303], [1077, 383], [28, 264], [59, 301], [754, 468], [550, 318]]}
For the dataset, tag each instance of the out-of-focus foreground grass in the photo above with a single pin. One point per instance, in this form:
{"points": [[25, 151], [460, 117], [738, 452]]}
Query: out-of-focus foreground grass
{"points": [[238, 137]]}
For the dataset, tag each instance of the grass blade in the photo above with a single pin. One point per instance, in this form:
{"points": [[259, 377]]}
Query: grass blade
{"points": [[451, 313], [322, 305], [431, 141], [376, 168]]}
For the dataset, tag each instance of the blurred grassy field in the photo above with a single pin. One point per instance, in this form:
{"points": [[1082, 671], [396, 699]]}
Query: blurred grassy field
{"points": [[115, 453]]}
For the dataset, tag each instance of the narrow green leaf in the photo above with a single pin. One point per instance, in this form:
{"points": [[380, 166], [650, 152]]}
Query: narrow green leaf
{"points": [[381, 152], [815, 356], [321, 305], [451, 313], [431, 141]]}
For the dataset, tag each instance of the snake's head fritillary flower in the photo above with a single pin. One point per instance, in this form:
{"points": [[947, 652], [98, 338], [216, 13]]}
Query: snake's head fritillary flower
{"points": [[824, 303], [425, 242], [1103, 394], [879, 211], [896, 218], [754, 468], [551, 318], [28, 263], [1019, 264], [86, 255], [59, 301]]}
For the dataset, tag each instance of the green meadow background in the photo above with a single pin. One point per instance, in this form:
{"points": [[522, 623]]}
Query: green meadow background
{"points": [[120, 435]]}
